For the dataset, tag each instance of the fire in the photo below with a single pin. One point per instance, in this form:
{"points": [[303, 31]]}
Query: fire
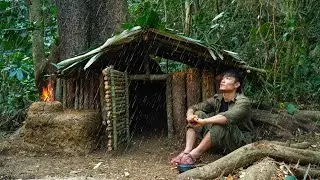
{"points": [[47, 93]]}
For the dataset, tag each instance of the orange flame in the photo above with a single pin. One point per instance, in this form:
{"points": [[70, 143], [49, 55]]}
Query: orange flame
{"points": [[47, 93]]}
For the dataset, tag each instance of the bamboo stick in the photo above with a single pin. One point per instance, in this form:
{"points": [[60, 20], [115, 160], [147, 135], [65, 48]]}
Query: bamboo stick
{"points": [[151, 77]]}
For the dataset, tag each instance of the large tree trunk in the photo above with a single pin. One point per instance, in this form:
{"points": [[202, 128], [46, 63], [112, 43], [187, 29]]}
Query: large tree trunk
{"points": [[86, 24], [247, 155], [283, 125], [36, 19]]}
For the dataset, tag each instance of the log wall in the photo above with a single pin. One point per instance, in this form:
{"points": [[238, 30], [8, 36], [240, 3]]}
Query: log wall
{"points": [[187, 89], [81, 92]]}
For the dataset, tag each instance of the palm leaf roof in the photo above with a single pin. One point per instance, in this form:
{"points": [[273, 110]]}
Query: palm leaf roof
{"points": [[163, 44]]}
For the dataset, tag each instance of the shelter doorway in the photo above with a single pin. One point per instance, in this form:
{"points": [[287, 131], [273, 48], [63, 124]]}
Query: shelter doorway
{"points": [[148, 107]]}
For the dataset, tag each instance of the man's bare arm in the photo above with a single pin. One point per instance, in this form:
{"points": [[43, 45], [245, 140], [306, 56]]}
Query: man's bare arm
{"points": [[217, 119]]}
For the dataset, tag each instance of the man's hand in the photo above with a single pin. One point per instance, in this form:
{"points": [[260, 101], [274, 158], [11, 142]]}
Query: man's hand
{"points": [[190, 118], [195, 120], [198, 122]]}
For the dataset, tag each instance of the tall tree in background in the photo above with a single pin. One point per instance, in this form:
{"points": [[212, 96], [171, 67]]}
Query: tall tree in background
{"points": [[85, 24], [37, 37]]}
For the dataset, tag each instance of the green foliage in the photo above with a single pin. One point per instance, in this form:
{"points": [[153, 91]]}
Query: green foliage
{"points": [[144, 14], [16, 65]]}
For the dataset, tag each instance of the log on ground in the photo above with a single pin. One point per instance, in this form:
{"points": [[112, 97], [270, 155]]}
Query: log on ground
{"points": [[247, 155]]}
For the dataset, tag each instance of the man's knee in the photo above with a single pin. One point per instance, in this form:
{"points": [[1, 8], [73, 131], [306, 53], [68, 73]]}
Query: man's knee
{"points": [[200, 114]]}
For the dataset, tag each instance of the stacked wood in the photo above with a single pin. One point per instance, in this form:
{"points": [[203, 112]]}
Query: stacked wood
{"points": [[81, 92], [208, 85], [193, 86], [179, 103]]}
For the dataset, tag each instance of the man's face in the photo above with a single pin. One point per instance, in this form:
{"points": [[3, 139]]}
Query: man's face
{"points": [[228, 84]]}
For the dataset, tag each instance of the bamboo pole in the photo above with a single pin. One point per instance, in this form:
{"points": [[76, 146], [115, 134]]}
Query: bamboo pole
{"points": [[151, 77]]}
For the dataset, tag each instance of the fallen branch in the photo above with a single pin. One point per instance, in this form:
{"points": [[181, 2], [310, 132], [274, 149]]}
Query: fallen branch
{"points": [[247, 155]]}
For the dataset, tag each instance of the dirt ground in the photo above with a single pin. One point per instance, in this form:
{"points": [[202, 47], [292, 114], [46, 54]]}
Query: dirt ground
{"points": [[146, 158]]}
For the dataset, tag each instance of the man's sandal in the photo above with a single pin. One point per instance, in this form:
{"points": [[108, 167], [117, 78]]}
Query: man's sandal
{"points": [[187, 159], [176, 160]]}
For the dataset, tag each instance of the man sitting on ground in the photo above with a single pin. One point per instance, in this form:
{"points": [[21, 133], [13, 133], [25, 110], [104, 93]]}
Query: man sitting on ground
{"points": [[223, 120]]}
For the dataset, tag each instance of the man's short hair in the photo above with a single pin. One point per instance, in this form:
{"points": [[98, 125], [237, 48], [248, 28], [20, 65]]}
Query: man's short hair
{"points": [[236, 74]]}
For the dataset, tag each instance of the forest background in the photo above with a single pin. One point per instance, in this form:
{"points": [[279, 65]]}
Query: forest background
{"points": [[280, 36]]}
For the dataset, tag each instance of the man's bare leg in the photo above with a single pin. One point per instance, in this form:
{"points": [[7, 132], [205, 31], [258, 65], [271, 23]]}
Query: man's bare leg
{"points": [[191, 137], [204, 146]]}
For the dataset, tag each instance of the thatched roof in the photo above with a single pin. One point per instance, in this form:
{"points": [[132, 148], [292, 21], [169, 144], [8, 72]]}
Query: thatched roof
{"points": [[137, 42]]}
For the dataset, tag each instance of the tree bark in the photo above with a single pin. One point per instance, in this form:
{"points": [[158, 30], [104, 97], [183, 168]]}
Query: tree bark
{"points": [[285, 125], [193, 86], [187, 28], [85, 24], [37, 38], [179, 103], [248, 154], [208, 85], [263, 170]]}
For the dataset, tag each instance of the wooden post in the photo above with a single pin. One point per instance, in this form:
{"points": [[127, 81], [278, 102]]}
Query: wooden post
{"points": [[64, 93], [76, 99], [193, 86], [70, 92], [169, 106], [208, 85], [86, 90], [179, 103], [58, 90], [81, 93], [103, 106], [128, 123], [91, 91]]}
